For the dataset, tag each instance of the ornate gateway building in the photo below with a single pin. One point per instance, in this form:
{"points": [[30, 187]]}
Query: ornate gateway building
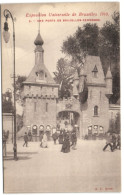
{"points": [[44, 111]]}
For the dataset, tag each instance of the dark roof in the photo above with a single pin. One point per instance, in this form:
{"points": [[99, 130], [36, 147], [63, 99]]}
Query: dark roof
{"points": [[32, 76], [38, 40]]}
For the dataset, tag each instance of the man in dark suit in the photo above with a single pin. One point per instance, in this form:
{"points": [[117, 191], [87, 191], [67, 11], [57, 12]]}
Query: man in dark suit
{"points": [[25, 140]]}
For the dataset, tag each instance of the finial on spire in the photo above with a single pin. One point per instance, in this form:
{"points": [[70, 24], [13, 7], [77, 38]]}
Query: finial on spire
{"points": [[109, 74], [39, 24]]}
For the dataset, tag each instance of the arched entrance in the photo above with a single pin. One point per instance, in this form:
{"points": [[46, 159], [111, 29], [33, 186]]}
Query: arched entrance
{"points": [[68, 120]]}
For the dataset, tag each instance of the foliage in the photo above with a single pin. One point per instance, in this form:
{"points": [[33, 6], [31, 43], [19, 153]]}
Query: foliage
{"points": [[110, 52], [19, 121], [19, 86], [63, 76], [84, 40], [117, 123], [114, 125], [92, 40], [7, 106]]}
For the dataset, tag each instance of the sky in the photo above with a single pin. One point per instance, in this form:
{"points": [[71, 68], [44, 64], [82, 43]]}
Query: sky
{"points": [[53, 32], [26, 33]]}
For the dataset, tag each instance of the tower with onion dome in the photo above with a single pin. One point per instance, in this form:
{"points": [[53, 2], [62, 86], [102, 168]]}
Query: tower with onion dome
{"points": [[40, 94]]}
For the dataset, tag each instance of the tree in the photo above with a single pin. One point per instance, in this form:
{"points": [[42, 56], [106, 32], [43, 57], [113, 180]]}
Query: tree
{"points": [[110, 52], [85, 40], [117, 123], [7, 106], [104, 41], [7, 96], [114, 124], [63, 76], [18, 88]]}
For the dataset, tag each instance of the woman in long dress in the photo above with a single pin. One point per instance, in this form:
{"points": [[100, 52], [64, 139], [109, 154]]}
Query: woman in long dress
{"points": [[66, 145], [44, 141]]}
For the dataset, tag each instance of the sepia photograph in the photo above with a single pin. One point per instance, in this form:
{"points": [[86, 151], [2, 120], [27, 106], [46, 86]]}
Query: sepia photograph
{"points": [[60, 69]]}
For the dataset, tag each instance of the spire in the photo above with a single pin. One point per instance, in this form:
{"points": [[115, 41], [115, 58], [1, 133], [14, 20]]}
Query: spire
{"points": [[39, 24], [109, 74], [82, 72], [38, 40]]}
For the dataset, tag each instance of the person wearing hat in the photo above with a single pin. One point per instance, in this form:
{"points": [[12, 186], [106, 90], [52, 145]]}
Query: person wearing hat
{"points": [[66, 145], [25, 140]]}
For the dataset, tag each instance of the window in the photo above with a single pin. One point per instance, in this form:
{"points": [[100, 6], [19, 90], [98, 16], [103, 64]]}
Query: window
{"points": [[91, 94], [95, 129], [101, 129], [34, 130], [89, 130], [41, 75], [95, 72], [95, 110], [46, 107], [35, 106], [48, 128], [100, 95]]}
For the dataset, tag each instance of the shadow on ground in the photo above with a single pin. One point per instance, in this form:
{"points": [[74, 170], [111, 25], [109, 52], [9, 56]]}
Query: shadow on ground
{"points": [[19, 158], [9, 153]]}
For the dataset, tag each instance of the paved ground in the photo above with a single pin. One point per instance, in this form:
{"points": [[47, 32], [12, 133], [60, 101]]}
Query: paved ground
{"points": [[87, 169]]}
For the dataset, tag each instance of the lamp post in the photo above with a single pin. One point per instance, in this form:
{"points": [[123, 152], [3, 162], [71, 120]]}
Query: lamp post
{"points": [[6, 35], [8, 98]]}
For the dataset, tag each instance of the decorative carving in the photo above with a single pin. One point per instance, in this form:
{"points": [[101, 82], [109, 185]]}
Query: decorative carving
{"points": [[68, 106]]}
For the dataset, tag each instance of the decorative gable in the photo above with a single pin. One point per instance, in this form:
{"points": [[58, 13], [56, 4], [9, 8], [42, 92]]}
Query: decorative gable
{"points": [[41, 76], [94, 70]]}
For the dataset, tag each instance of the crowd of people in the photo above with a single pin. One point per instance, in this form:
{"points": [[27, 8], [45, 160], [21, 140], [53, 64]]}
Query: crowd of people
{"points": [[68, 140]]}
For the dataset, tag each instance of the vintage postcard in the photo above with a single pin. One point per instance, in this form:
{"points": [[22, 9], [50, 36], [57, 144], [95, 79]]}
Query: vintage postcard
{"points": [[61, 97]]}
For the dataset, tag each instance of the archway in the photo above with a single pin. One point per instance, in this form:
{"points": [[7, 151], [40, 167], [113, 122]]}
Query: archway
{"points": [[68, 120]]}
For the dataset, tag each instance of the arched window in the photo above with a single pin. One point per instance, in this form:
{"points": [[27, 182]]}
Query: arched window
{"points": [[34, 130], [41, 75], [95, 110], [48, 128], [41, 129]]}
